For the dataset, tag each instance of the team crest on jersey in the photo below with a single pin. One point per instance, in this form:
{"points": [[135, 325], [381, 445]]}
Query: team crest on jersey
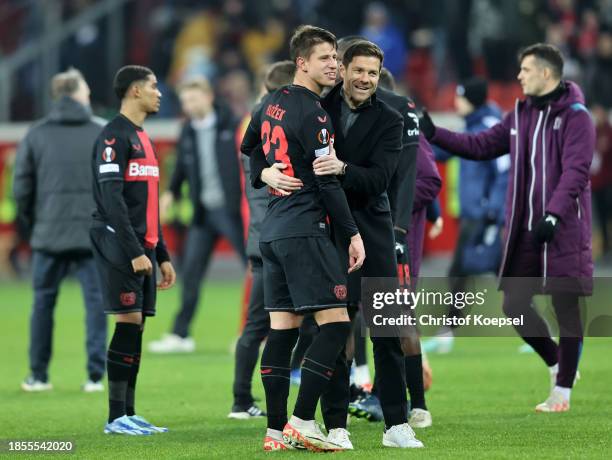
{"points": [[127, 299], [109, 141], [340, 291], [323, 136], [108, 154]]}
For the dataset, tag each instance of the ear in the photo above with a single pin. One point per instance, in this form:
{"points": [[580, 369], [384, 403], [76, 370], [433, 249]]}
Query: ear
{"points": [[300, 63], [342, 70]]}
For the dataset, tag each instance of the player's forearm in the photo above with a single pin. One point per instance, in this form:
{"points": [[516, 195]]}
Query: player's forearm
{"points": [[161, 251], [334, 200], [118, 217]]}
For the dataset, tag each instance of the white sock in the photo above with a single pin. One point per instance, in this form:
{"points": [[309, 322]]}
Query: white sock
{"points": [[362, 374], [274, 434], [565, 392], [554, 369], [299, 423]]}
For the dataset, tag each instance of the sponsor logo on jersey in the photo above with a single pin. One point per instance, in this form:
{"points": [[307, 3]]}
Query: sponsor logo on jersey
{"points": [[137, 170], [323, 136], [109, 168], [340, 291], [109, 141], [127, 299], [108, 154]]}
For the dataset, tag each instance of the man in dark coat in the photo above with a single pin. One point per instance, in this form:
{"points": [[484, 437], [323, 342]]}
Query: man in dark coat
{"points": [[208, 162], [551, 139], [53, 192]]}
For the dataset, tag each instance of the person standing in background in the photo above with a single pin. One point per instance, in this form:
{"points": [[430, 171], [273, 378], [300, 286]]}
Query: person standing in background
{"points": [[53, 193], [207, 160], [551, 138], [482, 190]]}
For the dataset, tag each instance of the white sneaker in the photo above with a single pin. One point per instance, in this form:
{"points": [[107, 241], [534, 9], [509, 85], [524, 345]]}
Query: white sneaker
{"points": [[172, 343], [419, 418], [93, 387], [556, 402], [401, 436], [31, 385], [306, 434], [340, 436]]}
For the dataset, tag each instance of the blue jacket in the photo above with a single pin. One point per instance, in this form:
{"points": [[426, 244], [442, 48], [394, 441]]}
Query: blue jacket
{"points": [[482, 184]]}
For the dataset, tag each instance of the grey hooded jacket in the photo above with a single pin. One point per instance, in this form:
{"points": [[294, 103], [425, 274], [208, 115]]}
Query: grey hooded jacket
{"points": [[53, 179]]}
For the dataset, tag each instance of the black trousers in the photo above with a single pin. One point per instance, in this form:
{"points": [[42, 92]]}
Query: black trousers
{"points": [[255, 331], [201, 241], [376, 229]]}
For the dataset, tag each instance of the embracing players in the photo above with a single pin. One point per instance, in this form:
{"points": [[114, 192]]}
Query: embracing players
{"points": [[302, 272]]}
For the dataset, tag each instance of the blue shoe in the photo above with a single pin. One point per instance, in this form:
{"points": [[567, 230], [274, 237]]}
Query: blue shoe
{"points": [[144, 424], [296, 377], [123, 425], [367, 407]]}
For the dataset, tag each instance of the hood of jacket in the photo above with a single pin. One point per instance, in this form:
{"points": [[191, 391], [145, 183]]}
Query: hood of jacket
{"points": [[67, 110]]}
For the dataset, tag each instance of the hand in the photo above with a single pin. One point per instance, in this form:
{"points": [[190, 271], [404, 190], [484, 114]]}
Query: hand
{"points": [[436, 228], [283, 183], [168, 276], [142, 265], [165, 204], [356, 253], [426, 125], [545, 229], [328, 165]]}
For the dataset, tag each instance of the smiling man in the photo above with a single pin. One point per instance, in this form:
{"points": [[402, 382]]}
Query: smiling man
{"points": [[301, 268], [368, 142]]}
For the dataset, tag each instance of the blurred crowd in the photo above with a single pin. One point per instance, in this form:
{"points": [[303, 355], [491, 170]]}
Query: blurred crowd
{"points": [[429, 45]]}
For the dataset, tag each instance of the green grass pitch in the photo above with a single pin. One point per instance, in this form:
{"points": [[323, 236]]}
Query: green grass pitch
{"points": [[482, 399]]}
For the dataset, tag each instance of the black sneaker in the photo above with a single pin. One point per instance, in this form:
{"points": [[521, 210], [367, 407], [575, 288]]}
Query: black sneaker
{"points": [[246, 412]]}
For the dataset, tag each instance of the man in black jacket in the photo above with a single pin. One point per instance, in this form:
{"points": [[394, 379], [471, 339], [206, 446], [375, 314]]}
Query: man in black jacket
{"points": [[53, 191], [208, 161]]}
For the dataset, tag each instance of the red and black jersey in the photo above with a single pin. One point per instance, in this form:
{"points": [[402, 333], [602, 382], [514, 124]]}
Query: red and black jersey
{"points": [[126, 187], [291, 127]]}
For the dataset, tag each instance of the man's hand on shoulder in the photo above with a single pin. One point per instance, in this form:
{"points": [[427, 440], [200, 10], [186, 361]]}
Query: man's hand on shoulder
{"points": [[327, 165]]}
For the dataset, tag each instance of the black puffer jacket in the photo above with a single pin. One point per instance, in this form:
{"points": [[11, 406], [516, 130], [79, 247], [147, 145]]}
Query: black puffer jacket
{"points": [[52, 185]]}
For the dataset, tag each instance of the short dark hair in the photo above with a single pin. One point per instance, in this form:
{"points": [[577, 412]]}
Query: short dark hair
{"points": [[345, 42], [279, 74], [362, 48], [305, 38], [549, 54], [66, 83], [386, 79], [127, 75]]}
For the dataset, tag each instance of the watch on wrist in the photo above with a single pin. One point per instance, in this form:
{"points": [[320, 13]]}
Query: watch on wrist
{"points": [[344, 165]]}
